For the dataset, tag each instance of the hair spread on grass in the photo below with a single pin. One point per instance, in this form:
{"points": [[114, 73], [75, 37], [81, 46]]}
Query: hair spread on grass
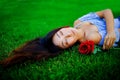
{"points": [[37, 49]]}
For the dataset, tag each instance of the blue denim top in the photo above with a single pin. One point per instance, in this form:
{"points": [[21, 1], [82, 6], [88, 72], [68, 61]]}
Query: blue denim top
{"points": [[100, 23]]}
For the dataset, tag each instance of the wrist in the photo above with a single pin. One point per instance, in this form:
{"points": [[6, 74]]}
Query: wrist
{"points": [[110, 31]]}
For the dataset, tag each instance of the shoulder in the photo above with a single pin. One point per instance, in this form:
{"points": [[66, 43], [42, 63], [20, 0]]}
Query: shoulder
{"points": [[94, 36], [85, 17], [76, 22]]}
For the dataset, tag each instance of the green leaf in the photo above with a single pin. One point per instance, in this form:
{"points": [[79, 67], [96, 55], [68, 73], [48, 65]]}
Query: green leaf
{"points": [[95, 51]]}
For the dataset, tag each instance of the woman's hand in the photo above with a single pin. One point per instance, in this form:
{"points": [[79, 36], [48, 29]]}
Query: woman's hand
{"points": [[109, 40], [110, 37]]}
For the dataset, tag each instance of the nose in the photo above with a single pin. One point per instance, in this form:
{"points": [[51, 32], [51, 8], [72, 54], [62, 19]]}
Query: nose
{"points": [[68, 35]]}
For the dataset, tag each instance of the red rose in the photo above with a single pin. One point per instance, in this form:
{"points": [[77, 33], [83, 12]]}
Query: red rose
{"points": [[86, 47]]}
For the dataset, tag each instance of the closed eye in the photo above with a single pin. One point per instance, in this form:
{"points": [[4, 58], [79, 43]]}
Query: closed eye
{"points": [[58, 35], [66, 41], [63, 44], [61, 32]]}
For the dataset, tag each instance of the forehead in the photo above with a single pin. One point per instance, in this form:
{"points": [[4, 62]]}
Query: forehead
{"points": [[56, 40], [56, 36], [67, 28]]}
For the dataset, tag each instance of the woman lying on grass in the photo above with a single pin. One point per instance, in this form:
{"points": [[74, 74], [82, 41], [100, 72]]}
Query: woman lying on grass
{"points": [[100, 27]]}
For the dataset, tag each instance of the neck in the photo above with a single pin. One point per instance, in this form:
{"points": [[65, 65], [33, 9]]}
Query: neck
{"points": [[80, 35]]}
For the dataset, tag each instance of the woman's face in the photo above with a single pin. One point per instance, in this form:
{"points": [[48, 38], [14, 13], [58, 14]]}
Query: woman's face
{"points": [[65, 37]]}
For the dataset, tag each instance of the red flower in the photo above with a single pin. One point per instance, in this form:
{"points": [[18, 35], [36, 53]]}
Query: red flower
{"points": [[86, 47]]}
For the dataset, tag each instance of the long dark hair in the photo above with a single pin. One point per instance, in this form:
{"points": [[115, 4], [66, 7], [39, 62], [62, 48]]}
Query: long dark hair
{"points": [[37, 49]]}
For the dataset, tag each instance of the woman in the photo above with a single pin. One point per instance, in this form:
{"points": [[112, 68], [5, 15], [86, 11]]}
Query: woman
{"points": [[100, 27]]}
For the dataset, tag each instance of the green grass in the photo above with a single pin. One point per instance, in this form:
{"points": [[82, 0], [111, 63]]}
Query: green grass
{"points": [[22, 20]]}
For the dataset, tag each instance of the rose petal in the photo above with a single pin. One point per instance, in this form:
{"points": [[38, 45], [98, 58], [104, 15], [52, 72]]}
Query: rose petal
{"points": [[86, 47]]}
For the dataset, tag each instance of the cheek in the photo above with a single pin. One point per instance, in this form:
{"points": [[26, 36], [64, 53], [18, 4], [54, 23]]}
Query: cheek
{"points": [[56, 40], [71, 41]]}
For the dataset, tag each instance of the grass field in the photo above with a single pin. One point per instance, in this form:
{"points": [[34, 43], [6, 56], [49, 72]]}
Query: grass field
{"points": [[22, 20]]}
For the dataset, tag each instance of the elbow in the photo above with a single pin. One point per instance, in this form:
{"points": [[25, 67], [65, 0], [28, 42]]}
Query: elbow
{"points": [[107, 10]]}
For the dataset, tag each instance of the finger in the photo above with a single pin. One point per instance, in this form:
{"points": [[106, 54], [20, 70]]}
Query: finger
{"points": [[105, 42], [104, 47], [105, 39], [110, 43]]}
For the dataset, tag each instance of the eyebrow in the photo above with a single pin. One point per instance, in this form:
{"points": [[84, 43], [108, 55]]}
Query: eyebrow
{"points": [[57, 35], [62, 41]]}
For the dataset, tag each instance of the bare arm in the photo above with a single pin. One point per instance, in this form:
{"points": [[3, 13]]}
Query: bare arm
{"points": [[110, 37], [108, 16]]}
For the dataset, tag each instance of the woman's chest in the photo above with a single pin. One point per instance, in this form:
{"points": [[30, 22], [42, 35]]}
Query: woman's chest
{"points": [[90, 31], [88, 26]]}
